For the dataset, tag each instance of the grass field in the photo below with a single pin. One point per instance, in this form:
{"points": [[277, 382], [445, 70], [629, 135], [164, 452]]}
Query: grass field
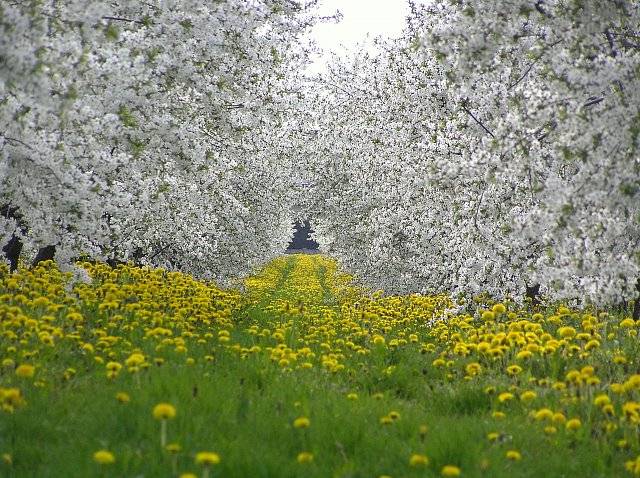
{"points": [[150, 373]]}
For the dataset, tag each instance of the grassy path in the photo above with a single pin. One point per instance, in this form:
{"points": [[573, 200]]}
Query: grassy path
{"points": [[303, 375]]}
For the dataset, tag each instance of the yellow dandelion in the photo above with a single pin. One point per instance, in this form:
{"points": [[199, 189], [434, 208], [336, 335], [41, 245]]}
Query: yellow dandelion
{"points": [[513, 455], [619, 359], [528, 396], [524, 355], [123, 397], [378, 340], [301, 422], [25, 371], [416, 460], [104, 457], [608, 410], [505, 397], [207, 458], [173, 448], [439, 362], [566, 332], [627, 323], [164, 411], [488, 315], [304, 457], [450, 470], [473, 369], [633, 466], [514, 369], [573, 424], [113, 367], [601, 400], [386, 420], [543, 414], [499, 309], [592, 344], [559, 418]]}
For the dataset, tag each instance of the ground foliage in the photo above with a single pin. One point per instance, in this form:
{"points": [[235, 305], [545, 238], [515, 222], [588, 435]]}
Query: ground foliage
{"points": [[301, 373]]}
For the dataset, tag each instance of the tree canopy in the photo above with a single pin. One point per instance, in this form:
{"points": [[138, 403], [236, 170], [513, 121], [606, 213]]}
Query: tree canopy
{"points": [[492, 147]]}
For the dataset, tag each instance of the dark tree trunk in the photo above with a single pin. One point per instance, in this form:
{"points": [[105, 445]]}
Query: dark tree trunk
{"points": [[113, 262], [44, 254], [137, 256], [533, 293], [13, 248], [12, 252], [636, 305]]}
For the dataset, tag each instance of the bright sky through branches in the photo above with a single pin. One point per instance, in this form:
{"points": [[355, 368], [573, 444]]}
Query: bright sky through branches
{"points": [[362, 19]]}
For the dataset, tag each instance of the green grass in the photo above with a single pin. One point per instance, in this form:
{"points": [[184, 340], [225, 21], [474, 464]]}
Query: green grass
{"points": [[243, 409]]}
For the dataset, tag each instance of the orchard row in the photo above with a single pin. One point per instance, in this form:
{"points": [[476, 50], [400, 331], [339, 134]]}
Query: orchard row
{"points": [[491, 147]]}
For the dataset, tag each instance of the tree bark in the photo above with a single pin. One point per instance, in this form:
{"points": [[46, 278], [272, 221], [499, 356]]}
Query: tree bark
{"points": [[533, 293], [44, 254], [13, 248], [12, 252]]}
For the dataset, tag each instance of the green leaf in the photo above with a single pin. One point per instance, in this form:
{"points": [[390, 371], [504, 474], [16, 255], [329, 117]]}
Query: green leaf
{"points": [[126, 117], [112, 32]]}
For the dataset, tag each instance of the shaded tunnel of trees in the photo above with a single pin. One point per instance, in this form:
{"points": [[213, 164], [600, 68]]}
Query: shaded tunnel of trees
{"points": [[301, 238]]}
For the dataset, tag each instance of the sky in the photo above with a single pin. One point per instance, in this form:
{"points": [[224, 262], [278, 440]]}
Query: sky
{"points": [[360, 18]]}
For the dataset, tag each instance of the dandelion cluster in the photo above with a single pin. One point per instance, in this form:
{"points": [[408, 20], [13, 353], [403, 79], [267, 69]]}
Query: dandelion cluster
{"points": [[307, 356]]}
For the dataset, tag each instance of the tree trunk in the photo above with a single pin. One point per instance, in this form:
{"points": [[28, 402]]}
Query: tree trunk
{"points": [[44, 254], [13, 248], [533, 293], [137, 256], [113, 262], [12, 252], [636, 305]]}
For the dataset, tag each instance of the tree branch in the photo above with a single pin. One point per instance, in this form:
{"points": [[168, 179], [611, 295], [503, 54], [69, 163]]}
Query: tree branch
{"points": [[532, 65], [477, 120], [120, 19], [18, 141], [612, 46], [594, 100]]}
